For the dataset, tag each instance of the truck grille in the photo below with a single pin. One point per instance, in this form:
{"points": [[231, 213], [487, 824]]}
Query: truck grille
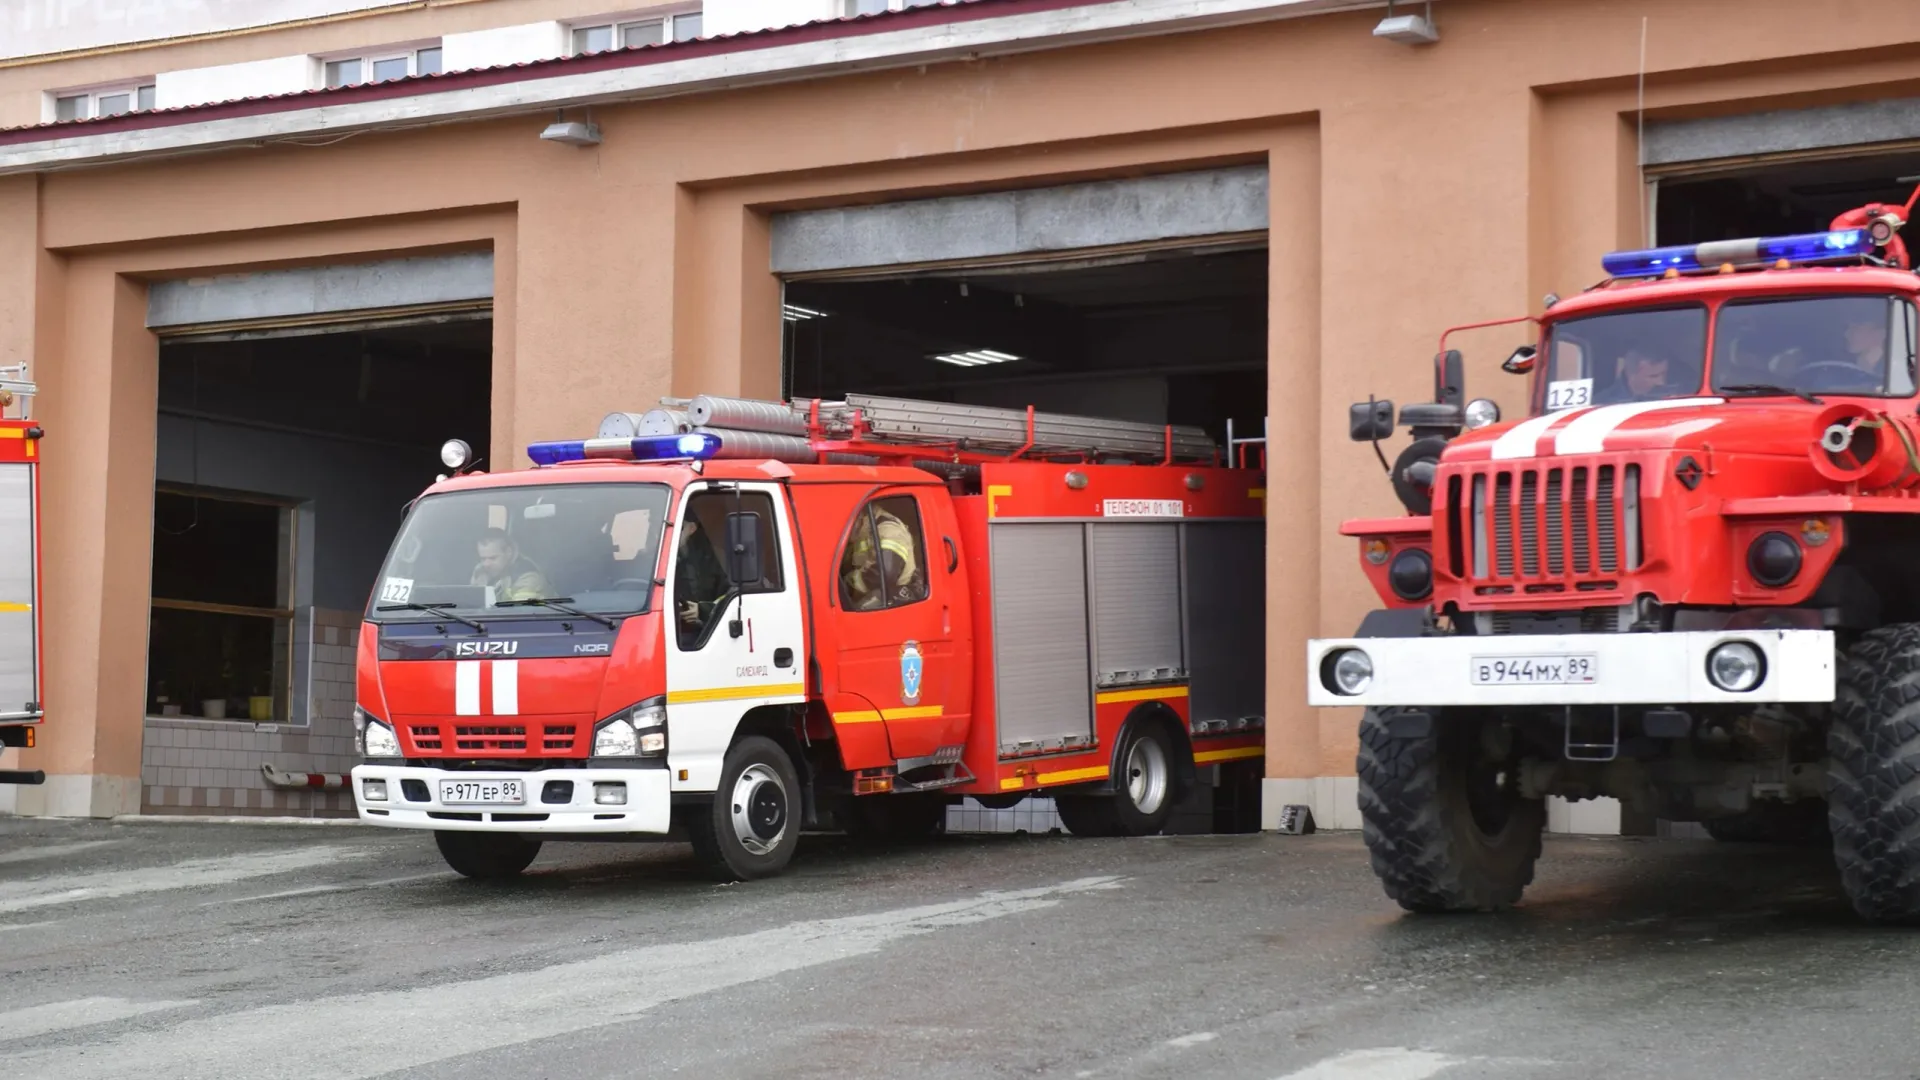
{"points": [[517, 740], [1544, 528]]}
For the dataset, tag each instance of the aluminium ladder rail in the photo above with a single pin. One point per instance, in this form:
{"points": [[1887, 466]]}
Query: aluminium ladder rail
{"points": [[899, 420]]}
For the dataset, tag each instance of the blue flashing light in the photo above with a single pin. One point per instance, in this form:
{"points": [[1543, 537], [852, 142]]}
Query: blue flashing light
{"points": [[1803, 247], [693, 446]]}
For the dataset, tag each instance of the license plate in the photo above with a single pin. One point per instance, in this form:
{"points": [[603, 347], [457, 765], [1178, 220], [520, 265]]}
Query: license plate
{"points": [[483, 793], [1546, 669]]}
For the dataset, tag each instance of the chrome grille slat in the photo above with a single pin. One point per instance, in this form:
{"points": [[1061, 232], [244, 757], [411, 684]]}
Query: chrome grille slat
{"points": [[1556, 511], [1530, 523], [1607, 538], [1503, 525]]}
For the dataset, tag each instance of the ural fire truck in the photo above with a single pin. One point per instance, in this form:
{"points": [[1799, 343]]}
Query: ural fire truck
{"points": [[1689, 579], [736, 620], [21, 710]]}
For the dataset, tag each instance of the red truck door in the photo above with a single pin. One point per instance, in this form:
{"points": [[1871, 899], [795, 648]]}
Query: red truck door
{"points": [[898, 598]]}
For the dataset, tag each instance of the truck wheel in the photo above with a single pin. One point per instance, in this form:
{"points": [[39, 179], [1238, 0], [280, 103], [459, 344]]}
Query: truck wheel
{"points": [[1802, 824], [895, 819], [1873, 773], [750, 829], [1444, 821], [486, 856], [1143, 790]]}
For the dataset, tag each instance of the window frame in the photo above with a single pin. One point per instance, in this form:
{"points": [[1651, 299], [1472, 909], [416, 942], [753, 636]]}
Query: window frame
{"points": [[289, 590], [368, 57], [92, 96], [918, 527], [665, 18], [770, 557]]}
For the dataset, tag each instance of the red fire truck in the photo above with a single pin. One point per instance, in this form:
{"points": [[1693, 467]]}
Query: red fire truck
{"points": [[734, 620], [21, 709], [1685, 580]]}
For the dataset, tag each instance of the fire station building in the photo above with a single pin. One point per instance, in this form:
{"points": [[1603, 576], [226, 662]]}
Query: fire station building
{"points": [[263, 258]]}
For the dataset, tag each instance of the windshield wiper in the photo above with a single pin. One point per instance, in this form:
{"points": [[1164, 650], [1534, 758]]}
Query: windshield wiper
{"points": [[559, 603], [433, 609], [1755, 389]]}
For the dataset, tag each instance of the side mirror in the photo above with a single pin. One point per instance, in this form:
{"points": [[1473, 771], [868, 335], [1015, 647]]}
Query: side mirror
{"points": [[1370, 421], [743, 548], [1521, 361], [1450, 378]]}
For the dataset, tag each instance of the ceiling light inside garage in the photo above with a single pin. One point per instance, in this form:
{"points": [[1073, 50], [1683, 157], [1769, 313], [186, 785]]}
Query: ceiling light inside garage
{"points": [[796, 313], [976, 358]]}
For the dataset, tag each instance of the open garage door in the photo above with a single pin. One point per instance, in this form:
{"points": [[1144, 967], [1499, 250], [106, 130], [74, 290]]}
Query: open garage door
{"points": [[300, 411], [1140, 300]]}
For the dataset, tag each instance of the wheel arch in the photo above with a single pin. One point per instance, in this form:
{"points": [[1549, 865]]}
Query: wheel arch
{"points": [[1157, 714], [782, 724]]}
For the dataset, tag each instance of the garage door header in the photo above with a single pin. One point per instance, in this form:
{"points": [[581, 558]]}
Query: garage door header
{"points": [[1783, 131], [1214, 202], [321, 290]]}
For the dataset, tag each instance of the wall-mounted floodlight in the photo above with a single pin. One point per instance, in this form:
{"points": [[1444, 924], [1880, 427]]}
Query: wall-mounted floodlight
{"points": [[572, 133], [1408, 29]]}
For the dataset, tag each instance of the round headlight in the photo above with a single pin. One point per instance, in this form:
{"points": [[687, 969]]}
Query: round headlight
{"points": [[455, 453], [1736, 667], [1348, 672], [1411, 575], [1481, 412], [1773, 559]]}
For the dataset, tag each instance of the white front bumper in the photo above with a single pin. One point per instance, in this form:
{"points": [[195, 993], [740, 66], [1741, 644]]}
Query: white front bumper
{"points": [[1630, 669], [648, 809]]}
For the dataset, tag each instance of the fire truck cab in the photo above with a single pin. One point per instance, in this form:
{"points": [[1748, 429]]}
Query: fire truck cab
{"points": [[643, 637], [1685, 580]]}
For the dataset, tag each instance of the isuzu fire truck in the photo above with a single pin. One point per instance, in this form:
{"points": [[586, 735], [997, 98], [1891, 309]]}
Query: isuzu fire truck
{"points": [[1689, 579], [735, 620]]}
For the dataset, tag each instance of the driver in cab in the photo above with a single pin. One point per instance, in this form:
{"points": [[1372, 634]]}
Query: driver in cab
{"points": [[511, 575], [1645, 374], [699, 581]]}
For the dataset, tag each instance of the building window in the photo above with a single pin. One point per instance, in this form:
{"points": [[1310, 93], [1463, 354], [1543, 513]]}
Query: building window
{"points": [[220, 632], [590, 38], [383, 66], [108, 101]]}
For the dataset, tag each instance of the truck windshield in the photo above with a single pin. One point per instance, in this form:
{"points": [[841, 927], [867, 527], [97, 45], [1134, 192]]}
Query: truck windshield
{"points": [[1638, 355], [592, 547], [1816, 345], [1791, 346]]}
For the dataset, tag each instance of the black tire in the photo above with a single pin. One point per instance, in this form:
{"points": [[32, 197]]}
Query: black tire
{"points": [[1873, 774], [884, 820], [750, 829], [486, 856], [1145, 789], [1444, 825], [1801, 824], [1087, 815]]}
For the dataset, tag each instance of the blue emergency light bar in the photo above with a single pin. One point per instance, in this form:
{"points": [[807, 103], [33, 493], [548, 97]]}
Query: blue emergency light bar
{"points": [[1805, 247], [693, 446]]}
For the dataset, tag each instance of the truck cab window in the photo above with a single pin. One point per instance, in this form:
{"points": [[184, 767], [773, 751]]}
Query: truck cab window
{"points": [[885, 565], [701, 588], [1623, 357], [1821, 345]]}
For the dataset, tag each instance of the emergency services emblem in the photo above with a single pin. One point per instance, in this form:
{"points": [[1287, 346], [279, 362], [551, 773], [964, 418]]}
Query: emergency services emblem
{"points": [[910, 669]]}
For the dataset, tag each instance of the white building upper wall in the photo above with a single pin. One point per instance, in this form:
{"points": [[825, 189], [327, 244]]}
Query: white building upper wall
{"points": [[741, 16], [44, 27]]}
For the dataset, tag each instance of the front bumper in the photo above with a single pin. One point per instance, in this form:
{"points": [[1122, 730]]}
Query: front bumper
{"points": [[648, 809], [1629, 669]]}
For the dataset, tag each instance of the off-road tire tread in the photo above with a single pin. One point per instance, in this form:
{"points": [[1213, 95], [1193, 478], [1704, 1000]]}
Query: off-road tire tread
{"points": [[1418, 861], [1873, 774]]}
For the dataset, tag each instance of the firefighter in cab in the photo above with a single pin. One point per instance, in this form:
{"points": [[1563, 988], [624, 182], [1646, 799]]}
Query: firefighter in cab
{"points": [[881, 554]]}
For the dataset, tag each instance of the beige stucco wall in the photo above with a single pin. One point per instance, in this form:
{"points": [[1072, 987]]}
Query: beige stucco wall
{"points": [[1411, 188]]}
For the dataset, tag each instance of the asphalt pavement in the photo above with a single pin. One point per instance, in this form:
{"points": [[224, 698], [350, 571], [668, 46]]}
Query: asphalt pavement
{"points": [[252, 951]]}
